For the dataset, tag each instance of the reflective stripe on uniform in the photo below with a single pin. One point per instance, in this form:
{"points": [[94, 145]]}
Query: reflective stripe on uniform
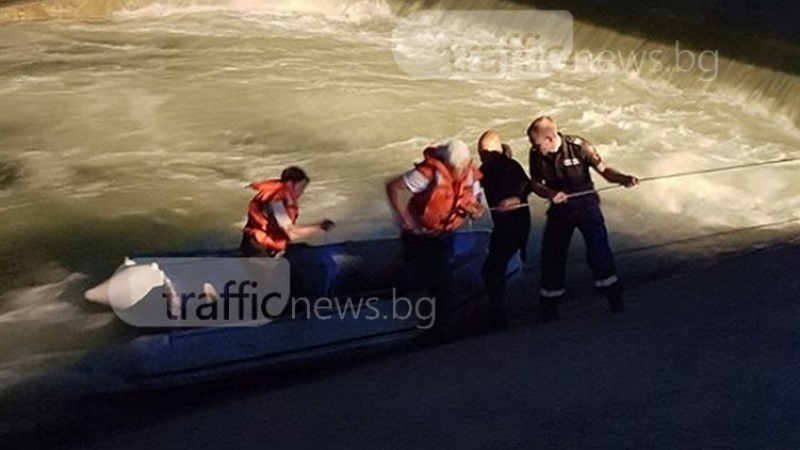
{"points": [[552, 293], [606, 282]]}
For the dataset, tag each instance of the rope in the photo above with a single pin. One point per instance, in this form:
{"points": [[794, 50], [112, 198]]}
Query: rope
{"points": [[674, 175], [722, 169], [686, 174]]}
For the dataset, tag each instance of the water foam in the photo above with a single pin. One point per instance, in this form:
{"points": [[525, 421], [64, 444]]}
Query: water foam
{"points": [[358, 11], [43, 304]]}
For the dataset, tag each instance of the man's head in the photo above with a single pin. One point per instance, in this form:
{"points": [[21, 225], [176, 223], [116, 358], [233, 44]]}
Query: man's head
{"points": [[543, 134], [455, 154], [490, 142], [296, 179]]}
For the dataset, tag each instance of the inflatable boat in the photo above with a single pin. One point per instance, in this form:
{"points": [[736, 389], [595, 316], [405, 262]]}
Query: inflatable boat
{"points": [[371, 271]]}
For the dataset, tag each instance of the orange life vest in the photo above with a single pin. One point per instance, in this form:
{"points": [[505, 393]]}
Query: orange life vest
{"points": [[259, 225], [440, 207]]}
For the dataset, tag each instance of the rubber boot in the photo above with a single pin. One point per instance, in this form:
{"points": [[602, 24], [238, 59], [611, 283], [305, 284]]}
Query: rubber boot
{"points": [[613, 294], [548, 309]]}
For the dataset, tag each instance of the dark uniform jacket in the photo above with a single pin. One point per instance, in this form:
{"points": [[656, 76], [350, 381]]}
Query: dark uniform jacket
{"points": [[566, 169]]}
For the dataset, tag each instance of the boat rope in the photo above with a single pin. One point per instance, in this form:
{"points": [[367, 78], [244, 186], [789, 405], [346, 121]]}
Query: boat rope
{"points": [[674, 175]]}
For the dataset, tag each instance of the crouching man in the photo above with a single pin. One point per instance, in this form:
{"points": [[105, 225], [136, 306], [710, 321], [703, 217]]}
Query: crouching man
{"points": [[445, 189]]}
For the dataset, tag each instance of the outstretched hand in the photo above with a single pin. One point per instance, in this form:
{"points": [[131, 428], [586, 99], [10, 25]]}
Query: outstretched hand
{"points": [[326, 225]]}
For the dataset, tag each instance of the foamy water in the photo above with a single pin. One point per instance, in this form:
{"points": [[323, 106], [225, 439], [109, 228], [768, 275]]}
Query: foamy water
{"points": [[139, 133]]}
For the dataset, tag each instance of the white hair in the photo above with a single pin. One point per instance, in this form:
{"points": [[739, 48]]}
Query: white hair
{"points": [[455, 153]]}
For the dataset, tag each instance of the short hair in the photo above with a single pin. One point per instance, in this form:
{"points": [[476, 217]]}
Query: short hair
{"points": [[294, 174], [541, 123], [490, 141], [455, 153]]}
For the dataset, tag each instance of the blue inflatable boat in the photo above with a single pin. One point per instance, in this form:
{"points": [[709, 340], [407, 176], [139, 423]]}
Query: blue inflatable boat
{"points": [[372, 271]]}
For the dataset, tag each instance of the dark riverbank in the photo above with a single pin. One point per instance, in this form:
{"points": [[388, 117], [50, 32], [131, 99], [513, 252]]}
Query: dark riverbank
{"points": [[762, 33]]}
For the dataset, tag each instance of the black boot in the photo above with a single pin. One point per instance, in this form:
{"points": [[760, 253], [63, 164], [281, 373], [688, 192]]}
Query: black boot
{"points": [[614, 295], [548, 309]]}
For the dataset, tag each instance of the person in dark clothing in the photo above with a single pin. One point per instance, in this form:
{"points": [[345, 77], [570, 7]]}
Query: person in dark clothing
{"points": [[506, 187], [559, 167]]}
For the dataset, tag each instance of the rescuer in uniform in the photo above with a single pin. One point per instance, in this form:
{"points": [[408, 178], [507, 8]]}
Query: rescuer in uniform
{"points": [[559, 166]]}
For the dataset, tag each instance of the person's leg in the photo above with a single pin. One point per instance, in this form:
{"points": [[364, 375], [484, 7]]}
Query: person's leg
{"points": [[429, 259], [249, 247], [556, 237], [503, 244], [600, 257], [416, 258], [440, 273], [522, 230], [245, 247]]}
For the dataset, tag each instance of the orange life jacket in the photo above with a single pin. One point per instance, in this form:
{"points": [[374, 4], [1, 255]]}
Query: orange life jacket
{"points": [[440, 207], [259, 225]]}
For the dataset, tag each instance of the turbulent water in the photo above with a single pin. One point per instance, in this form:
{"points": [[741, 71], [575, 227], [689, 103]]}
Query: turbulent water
{"points": [[135, 127]]}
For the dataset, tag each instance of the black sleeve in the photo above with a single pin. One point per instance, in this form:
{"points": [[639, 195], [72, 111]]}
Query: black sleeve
{"points": [[521, 180], [532, 168]]}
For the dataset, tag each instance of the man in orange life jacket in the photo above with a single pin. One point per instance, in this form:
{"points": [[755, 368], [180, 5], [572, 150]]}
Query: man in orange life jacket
{"points": [[445, 190], [559, 166], [507, 188], [272, 215]]}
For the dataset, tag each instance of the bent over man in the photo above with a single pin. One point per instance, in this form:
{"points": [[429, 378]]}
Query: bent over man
{"points": [[445, 190], [559, 169]]}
